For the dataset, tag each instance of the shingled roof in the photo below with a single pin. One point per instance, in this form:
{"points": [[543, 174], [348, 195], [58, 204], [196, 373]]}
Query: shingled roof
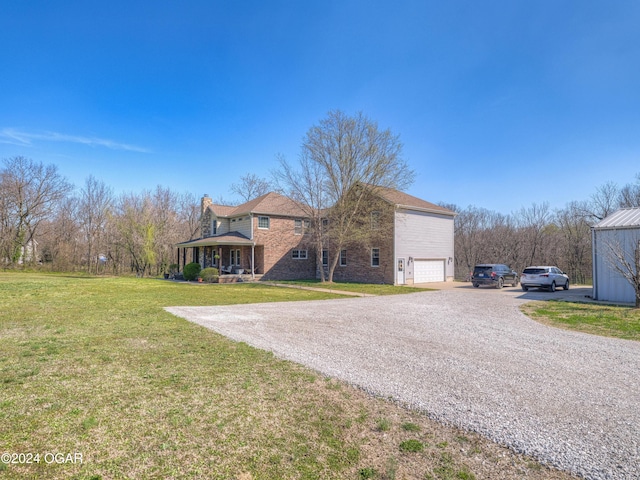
{"points": [[405, 200], [271, 203]]}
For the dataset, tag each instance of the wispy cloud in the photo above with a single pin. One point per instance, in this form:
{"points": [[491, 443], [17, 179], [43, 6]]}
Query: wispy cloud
{"points": [[16, 137]]}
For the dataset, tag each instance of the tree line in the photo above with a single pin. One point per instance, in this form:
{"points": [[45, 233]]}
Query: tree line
{"points": [[47, 222], [538, 235]]}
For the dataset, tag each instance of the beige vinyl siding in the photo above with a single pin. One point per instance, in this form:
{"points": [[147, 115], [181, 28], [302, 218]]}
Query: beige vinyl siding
{"points": [[223, 226], [235, 224], [424, 236], [242, 225]]}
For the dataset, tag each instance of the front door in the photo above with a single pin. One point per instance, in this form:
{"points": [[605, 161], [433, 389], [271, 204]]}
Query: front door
{"points": [[400, 279]]}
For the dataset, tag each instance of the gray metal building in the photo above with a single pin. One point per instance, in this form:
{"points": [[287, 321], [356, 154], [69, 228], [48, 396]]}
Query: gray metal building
{"points": [[616, 245]]}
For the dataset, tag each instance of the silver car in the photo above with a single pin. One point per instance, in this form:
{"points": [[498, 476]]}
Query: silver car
{"points": [[544, 277]]}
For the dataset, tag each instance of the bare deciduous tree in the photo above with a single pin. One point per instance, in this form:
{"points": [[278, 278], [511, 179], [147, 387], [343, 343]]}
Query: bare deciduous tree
{"points": [[343, 160], [251, 186], [31, 192], [189, 214], [306, 187], [60, 242], [469, 226], [630, 194], [534, 221], [96, 200], [134, 223], [603, 203], [145, 227], [576, 241]]}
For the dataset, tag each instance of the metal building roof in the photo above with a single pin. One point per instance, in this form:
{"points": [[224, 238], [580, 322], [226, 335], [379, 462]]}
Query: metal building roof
{"points": [[623, 218]]}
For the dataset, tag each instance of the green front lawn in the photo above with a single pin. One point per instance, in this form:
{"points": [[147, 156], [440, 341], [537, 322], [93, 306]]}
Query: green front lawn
{"points": [[606, 320], [97, 381]]}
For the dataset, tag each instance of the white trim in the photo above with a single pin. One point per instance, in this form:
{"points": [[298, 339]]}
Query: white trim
{"points": [[260, 217], [300, 254]]}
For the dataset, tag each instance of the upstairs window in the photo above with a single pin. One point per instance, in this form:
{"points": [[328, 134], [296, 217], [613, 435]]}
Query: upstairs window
{"points": [[375, 257], [299, 254], [375, 220], [301, 226], [263, 222]]}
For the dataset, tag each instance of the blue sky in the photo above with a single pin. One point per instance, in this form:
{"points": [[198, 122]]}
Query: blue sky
{"points": [[499, 104]]}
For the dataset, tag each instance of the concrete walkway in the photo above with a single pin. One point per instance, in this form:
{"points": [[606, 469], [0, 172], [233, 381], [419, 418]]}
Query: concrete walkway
{"points": [[320, 289]]}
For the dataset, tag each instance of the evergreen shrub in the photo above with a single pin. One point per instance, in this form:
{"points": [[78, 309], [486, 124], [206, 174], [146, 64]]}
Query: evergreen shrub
{"points": [[191, 271]]}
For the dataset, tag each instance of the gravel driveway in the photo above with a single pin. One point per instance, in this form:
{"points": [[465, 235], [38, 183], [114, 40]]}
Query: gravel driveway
{"points": [[467, 357]]}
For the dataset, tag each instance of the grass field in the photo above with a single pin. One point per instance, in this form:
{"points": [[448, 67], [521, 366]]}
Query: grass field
{"points": [[97, 381], [597, 319]]}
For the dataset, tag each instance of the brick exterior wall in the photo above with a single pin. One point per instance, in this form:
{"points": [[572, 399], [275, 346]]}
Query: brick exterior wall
{"points": [[273, 250], [359, 269]]}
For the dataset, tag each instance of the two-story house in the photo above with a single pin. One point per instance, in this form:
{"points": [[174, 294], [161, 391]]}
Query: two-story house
{"points": [[268, 237], [264, 237]]}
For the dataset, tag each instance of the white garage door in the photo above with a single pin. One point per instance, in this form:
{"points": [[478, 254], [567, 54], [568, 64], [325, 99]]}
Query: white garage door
{"points": [[428, 271]]}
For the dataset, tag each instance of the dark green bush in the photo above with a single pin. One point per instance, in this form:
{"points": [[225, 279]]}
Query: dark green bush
{"points": [[191, 271], [209, 274]]}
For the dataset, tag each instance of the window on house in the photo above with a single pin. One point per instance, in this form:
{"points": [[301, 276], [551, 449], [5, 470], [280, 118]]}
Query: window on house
{"points": [[263, 222], [301, 226], [375, 257], [325, 257], [299, 254], [325, 225], [375, 220], [214, 226], [343, 258]]}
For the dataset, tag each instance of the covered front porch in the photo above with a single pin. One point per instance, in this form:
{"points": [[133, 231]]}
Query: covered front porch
{"points": [[231, 254]]}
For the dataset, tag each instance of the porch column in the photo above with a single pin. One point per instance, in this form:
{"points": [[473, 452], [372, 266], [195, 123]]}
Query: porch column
{"points": [[253, 262]]}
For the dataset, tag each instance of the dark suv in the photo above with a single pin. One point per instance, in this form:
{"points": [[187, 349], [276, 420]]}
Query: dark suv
{"points": [[495, 274]]}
